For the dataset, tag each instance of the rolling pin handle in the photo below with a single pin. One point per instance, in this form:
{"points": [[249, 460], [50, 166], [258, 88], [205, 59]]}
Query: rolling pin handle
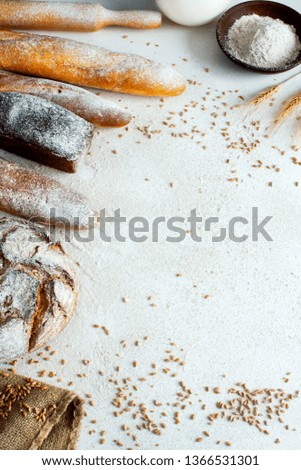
{"points": [[132, 19]]}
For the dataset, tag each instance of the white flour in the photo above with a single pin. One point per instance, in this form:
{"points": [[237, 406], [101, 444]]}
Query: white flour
{"points": [[264, 42]]}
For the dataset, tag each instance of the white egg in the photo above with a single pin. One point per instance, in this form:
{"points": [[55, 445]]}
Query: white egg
{"points": [[192, 12]]}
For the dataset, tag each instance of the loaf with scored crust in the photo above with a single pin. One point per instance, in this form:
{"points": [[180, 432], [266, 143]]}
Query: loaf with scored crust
{"points": [[42, 131], [38, 291], [86, 64]]}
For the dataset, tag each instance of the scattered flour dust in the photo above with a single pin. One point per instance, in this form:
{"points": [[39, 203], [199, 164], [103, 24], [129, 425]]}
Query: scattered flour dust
{"points": [[264, 42]]}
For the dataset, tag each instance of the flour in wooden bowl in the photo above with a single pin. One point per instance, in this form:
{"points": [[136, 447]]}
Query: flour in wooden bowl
{"points": [[261, 41]]}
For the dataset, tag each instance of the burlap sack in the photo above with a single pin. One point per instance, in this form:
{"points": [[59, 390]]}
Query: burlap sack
{"points": [[34, 415]]}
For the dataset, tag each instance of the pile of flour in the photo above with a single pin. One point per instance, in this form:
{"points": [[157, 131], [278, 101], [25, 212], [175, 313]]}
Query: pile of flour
{"points": [[262, 41]]}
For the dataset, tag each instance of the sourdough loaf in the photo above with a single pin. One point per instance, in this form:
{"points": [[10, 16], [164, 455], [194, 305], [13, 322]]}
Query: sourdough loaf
{"points": [[38, 293]]}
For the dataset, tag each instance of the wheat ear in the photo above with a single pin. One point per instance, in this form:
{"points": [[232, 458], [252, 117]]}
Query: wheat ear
{"points": [[288, 107], [269, 92], [265, 95]]}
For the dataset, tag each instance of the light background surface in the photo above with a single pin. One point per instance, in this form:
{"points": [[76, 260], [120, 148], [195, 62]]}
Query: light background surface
{"points": [[249, 329]]}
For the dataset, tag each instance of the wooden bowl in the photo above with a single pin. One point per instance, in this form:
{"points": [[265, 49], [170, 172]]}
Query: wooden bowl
{"points": [[262, 8]]}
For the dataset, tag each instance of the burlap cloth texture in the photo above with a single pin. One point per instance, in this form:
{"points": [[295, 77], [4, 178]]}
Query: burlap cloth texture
{"points": [[35, 415]]}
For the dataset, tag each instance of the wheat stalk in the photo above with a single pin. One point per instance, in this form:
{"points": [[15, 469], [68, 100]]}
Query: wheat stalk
{"points": [[298, 131], [288, 107], [268, 93], [265, 95]]}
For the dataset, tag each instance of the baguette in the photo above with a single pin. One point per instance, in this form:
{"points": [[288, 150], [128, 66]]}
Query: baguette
{"points": [[92, 108], [42, 131], [25, 193], [85, 64], [38, 291]]}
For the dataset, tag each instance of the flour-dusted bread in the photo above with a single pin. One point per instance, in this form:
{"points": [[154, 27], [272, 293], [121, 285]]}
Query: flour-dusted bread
{"points": [[92, 108], [38, 293], [29, 194], [42, 131], [86, 64]]}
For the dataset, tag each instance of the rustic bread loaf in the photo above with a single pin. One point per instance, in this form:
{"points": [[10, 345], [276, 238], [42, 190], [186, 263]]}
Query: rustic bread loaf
{"points": [[42, 131], [86, 64], [28, 194], [85, 104], [38, 293]]}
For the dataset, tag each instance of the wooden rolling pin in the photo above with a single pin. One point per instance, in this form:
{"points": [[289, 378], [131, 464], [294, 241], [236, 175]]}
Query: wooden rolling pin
{"points": [[63, 16]]}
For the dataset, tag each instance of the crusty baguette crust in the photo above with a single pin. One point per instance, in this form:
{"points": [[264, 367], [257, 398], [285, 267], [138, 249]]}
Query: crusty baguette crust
{"points": [[92, 108], [85, 64], [42, 131], [28, 194]]}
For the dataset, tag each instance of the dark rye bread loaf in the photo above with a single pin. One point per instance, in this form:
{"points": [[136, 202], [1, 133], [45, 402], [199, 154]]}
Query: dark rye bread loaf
{"points": [[42, 131], [38, 292]]}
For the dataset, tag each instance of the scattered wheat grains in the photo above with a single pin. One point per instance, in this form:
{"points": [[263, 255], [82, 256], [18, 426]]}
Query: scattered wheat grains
{"points": [[106, 330], [254, 407], [215, 103], [245, 404]]}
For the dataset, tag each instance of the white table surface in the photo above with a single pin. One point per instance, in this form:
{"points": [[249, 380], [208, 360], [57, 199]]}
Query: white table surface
{"points": [[249, 329]]}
